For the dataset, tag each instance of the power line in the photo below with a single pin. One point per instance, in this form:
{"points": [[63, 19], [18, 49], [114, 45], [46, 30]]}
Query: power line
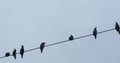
{"points": [[62, 41]]}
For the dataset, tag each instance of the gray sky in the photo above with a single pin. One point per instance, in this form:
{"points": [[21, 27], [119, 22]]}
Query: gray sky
{"points": [[30, 22]]}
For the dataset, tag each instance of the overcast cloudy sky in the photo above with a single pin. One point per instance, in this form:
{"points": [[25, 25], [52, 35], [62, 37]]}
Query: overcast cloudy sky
{"points": [[30, 22]]}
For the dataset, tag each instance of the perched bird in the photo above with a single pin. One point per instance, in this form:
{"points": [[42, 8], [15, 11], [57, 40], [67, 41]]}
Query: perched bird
{"points": [[22, 51], [71, 37], [117, 27], [14, 53], [95, 32], [7, 54], [42, 45]]}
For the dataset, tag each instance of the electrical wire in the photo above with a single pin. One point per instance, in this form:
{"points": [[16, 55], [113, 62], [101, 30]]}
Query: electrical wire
{"points": [[62, 41]]}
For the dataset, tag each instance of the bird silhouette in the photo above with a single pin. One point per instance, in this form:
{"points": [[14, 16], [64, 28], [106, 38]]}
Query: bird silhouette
{"points": [[71, 37], [117, 27], [42, 45], [22, 51], [7, 54], [14, 53], [95, 32]]}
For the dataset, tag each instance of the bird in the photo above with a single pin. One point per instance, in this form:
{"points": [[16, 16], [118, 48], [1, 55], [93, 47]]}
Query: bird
{"points": [[7, 54], [22, 51], [42, 45], [14, 53], [117, 27], [95, 32], [71, 37]]}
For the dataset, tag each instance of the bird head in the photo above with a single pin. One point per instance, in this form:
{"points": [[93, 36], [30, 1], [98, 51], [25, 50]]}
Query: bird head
{"points": [[44, 43], [14, 49], [71, 35], [116, 23], [95, 28], [22, 46]]}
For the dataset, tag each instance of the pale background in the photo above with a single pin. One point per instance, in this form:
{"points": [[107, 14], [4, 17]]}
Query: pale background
{"points": [[30, 22]]}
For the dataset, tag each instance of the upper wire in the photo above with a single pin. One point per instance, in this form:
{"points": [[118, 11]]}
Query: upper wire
{"points": [[62, 42]]}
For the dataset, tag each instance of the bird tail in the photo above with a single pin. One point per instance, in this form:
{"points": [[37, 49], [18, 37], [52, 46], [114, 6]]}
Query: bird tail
{"points": [[21, 56], [95, 37], [41, 51], [15, 57]]}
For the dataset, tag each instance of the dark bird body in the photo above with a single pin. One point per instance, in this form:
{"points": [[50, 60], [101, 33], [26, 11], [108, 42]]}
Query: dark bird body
{"points": [[71, 37], [14, 53], [22, 51], [7, 54], [95, 32], [42, 45], [117, 27]]}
